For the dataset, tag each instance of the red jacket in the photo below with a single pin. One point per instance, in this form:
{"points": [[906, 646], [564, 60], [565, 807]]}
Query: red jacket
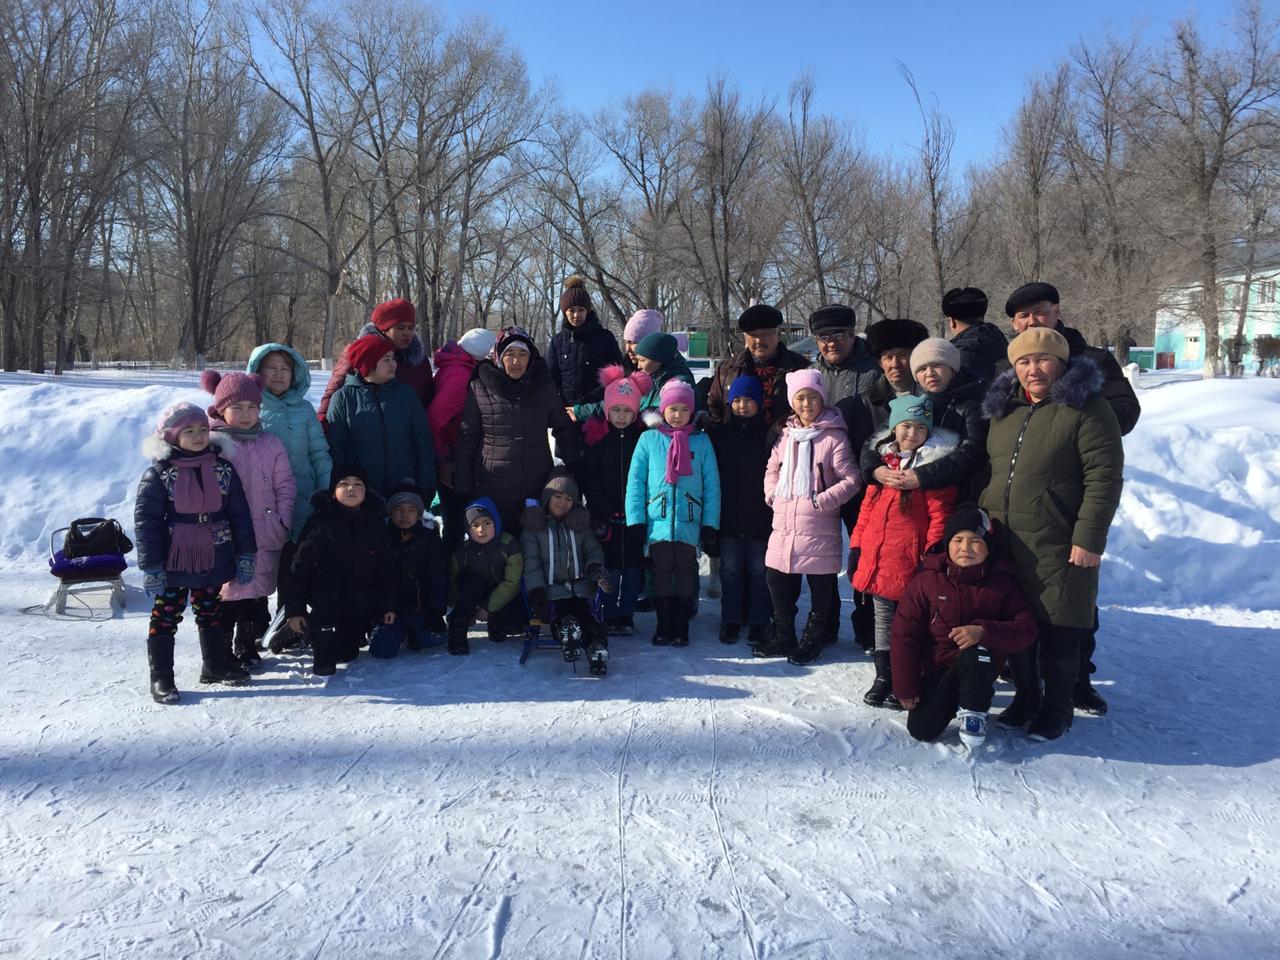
{"points": [[412, 368], [942, 597]]}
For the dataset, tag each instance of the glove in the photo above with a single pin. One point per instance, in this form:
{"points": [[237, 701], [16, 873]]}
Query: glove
{"points": [[601, 576], [153, 582], [603, 531], [711, 541], [854, 556], [244, 568], [638, 531], [541, 610]]}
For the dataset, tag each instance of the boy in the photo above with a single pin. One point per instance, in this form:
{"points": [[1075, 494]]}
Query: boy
{"points": [[486, 570], [421, 571]]}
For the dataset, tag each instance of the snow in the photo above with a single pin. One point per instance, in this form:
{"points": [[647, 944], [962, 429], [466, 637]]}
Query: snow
{"points": [[693, 803]]}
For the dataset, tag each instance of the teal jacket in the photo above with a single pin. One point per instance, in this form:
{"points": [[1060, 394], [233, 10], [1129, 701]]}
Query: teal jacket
{"points": [[383, 428], [292, 418], [679, 511]]}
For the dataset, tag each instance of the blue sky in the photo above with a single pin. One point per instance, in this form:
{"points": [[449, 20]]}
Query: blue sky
{"points": [[975, 57]]}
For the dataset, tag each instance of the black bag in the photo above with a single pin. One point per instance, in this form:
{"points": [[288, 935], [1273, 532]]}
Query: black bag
{"points": [[95, 537]]}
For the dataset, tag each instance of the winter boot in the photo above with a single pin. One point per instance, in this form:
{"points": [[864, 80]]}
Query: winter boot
{"points": [[1059, 666], [323, 643], [459, 645], [973, 728], [245, 644], [662, 634], [780, 641], [880, 693], [1087, 699], [217, 663], [682, 611], [160, 662], [757, 634], [568, 630], [163, 690], [729, 632], [1026, 682], [811, 641], [625, 625], [347, 644], [598, 658]]}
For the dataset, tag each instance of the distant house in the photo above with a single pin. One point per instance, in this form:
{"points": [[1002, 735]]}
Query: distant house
{"points": [[1180, 340]]}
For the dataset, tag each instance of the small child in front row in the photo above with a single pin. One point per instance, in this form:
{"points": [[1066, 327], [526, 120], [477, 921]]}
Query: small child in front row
{"points": [[342, 581], [421, 568], [486, 570], [194, 533], [673, 489], [959, 617]]}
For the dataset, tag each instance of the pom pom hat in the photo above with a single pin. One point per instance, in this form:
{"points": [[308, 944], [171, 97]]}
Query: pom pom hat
{"points": [[229, 388], [623, 391], [575, 294]]}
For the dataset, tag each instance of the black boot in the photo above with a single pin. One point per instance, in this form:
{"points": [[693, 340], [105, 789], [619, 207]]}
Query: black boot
{"points": [[1026, 697], [880, 693], [1059, 663], [780, 641], [245, 644], [160, 662], [459, 645], [662, 634], [218, 666], [1085, 697], [729, 632], [324, 662], [683, 610], [163, 690], [812, 639], [757, 634]]}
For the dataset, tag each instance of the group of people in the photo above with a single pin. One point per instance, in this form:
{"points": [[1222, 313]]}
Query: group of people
{"points": [[973, 480]]}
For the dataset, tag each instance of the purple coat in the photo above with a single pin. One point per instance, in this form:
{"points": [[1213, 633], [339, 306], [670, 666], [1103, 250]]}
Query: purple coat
{"points": [[806, 536], [263, 466]]}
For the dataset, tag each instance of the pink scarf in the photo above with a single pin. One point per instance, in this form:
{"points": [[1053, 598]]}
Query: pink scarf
{"points": [[679, 458], [191, 549]]}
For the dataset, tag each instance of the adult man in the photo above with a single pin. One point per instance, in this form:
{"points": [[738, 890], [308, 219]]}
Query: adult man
{"points": [[764, 358], [398, 322], [891, 342], [581, 348], [846, 365], [982, 345]]}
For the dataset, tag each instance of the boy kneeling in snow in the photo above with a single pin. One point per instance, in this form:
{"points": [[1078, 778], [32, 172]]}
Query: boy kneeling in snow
{"points": [[486, 570], [960, 616], [421, 571]]}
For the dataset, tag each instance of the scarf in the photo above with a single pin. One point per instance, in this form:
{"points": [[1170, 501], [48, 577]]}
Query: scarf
{"points": [[195, 490], [241, 433], [679, 458], [795, 478]]}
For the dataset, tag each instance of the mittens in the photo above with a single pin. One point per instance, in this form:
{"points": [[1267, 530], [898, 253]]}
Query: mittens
{"points": [[601, 576], [244, 568], [711, 541], [153, 582]]}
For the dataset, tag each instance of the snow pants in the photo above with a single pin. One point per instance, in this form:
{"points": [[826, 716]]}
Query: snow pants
{"points": [[675, 569], [166, 614], [968, 684]]}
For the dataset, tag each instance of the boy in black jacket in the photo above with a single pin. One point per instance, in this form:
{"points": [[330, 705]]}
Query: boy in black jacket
{"points": [[421, 569]]}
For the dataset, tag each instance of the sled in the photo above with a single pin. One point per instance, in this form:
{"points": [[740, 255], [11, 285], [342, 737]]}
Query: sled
{"points": [[86, 574]]}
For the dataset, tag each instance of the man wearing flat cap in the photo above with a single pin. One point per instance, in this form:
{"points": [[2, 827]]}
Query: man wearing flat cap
{"points": [[764, 357], [982, 345]]}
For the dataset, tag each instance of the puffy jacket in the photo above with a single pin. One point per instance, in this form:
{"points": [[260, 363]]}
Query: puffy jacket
{"points": [[983, 347], [561, 557], [498, 562], [742, 447], [383, 428], [292, 418], [896, 527], [454, 367], [342, 566], [673, 512], [1116, 389], [155, 516], [806, 530], [602, 477], [942, 597], [1057, 470], [412, 369], [420, 565], [263, 467], [575, 357], [851, 378], [772, 374]]}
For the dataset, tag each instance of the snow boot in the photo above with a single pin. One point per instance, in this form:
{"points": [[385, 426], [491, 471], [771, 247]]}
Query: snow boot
{"points": [[598, 658], [757, 634], [163, 690], [1087, 699], [812, 639], [880, 693], [1026, 682], [217, 663], [568, 631], [1059, 667], [245, 644], [459, 645], [1048, 726], [973, 728], [324, 655], [729, 632], [682, 611], [663, 633], [780, 641]]}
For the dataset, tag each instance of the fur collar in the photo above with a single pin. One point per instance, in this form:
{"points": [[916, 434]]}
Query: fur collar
{"points": [[413, 355], [536, 519], [1080, 384], [940, 443], [651, 418]]}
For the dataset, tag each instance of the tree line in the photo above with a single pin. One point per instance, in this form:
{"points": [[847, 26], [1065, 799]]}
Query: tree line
{"points": [[180, 179]]}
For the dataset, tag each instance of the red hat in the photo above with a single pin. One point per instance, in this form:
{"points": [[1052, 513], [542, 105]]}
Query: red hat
{"points": [[387, 315], [365, 352]]}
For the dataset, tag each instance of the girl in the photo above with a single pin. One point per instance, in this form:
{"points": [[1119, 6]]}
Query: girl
{"points": [[673, 490], [810, 476]]}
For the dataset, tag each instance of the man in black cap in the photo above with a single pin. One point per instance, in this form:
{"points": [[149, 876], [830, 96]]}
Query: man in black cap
{"points": [[846, 365], [765, 358], [982, 345], [891, 342]]}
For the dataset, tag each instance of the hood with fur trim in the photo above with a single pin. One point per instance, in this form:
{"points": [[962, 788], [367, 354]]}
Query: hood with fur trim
{"points": [[940, 443], [1081, 382], [156, 448]]}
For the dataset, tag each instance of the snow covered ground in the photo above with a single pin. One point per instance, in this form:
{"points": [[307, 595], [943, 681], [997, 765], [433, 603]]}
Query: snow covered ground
{"points": [[693, 803]]}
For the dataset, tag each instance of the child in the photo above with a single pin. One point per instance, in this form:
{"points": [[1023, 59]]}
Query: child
{"points": [[486, 570], [811, 474], [194, 533], [957, 619], [673, 489], [341, 571], [262, 464], [746, 520], [896, 527], [563, 565], [379, 423], [610, 441], [420, 565]]}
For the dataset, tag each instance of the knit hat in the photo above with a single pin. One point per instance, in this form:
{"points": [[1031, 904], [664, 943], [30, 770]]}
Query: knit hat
{"points": [[675, 391], [894, 334], [746, 386], [760, 317], [387, 315], [1039, 340], [575, 294], [343, 470], [832, 318], [935, 350], [659, 346], [514, 336], [807, 379], [623, 391], [964, 303], [478, 342], [406, 491], [641, 324], [559, 482], [967, 516], [365, 352], [477, 510], [1030, 293], [919, 409], [229, 388], [178, 417]]}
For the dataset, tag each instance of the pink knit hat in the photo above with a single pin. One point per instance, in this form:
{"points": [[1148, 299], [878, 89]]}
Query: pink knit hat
{"points": [[808, 379], [623, 391], [675, 391], [641, 324], [229, 388], [176, 418]]}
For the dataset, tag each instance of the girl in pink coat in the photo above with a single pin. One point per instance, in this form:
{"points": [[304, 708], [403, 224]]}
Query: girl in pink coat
{"points": [[262, 462], [812, 473]]}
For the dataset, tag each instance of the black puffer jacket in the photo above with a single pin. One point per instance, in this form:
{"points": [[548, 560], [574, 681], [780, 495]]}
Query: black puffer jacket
{"points": [[742, 451], [602, 477], [502, 450], [983, 347], [342, 566], [421, 566], [575, 357]]}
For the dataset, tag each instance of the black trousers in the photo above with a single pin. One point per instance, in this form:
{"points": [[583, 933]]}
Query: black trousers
{"points": [[675, 569], [1088, 644], [968, 684], [1051, 665], [473, 593], [336, 635], [453, 506], [863, 616], [785, 588]]}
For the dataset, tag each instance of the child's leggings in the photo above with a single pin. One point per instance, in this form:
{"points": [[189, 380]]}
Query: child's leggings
{"points": [[784, 588], [166, 614], [675, 569], [885, 609]]}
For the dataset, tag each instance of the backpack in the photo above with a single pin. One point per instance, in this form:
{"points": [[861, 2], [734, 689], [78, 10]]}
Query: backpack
{"points": [[95, 537]]}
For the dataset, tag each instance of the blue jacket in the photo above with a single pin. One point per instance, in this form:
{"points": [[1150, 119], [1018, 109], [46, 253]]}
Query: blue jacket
{"points": [[673, 512], [383, 428], [292, 418], [575, 357]]}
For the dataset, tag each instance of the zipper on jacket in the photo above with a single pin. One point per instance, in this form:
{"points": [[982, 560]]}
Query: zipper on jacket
{"points": [[1013, 459], [692, 500]]}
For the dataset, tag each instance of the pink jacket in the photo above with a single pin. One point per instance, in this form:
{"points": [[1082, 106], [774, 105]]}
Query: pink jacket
{"points": [[263, 466], [806, 534], [453, 372]]}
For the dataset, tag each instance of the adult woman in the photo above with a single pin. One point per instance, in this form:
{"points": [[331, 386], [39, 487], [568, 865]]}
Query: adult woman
{"points": [[1057, 466]]}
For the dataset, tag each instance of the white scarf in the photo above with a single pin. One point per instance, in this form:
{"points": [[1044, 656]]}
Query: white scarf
{"points": [[795, 478]]}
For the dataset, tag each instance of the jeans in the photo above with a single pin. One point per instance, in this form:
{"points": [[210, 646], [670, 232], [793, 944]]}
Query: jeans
{"points": [[385, 640], [626, 587], [744, 590]]}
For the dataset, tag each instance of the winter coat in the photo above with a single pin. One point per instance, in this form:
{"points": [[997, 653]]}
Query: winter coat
{"points": [[342, 567], [499, 563], [292, 418], [896, 527], [412, 369], [575, 357], [420, 565], [742, 448], [562, 557], [673, 513], [851, 378], [1057, 469], [677, 370], [806, 532], [154, 517], [983, 347], [454, 367], [879, 395], [942, 597], [773, 375], [262, 464], [502, 448], [602, 477], [382, 427], [1116, 389]]}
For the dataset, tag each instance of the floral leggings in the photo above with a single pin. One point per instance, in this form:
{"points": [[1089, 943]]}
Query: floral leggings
{"points": [[166, 612]]}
